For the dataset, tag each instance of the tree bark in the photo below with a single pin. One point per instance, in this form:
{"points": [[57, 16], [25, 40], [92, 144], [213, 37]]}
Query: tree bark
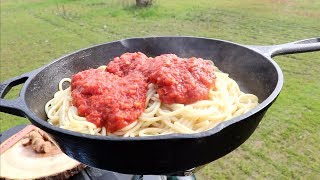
{"points": [[143, 3]]}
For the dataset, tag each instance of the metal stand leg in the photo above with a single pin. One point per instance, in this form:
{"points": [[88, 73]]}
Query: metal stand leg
{"points": [[156, 177]]}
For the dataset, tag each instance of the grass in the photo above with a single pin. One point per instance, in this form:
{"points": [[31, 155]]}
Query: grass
{"points": [[284, 146]]}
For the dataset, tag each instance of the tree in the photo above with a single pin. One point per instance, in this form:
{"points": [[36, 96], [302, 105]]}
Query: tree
{"points": [[143, 3]]}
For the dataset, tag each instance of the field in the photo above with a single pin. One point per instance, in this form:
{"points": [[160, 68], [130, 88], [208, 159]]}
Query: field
{"points": [[286, 145]]}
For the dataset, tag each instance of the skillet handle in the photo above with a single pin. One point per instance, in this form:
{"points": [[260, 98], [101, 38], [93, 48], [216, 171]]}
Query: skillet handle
{"points": [[15, 106], [306, 45]]}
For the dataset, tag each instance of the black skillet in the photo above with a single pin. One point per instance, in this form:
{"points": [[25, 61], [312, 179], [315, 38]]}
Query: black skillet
{"points": [[251, 67]]}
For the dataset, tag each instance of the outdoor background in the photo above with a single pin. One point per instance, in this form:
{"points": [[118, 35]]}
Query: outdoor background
{"points": [[286, 145]]}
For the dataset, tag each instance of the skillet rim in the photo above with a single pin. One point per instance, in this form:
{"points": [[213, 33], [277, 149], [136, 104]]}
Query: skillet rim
{"points": [[222, 125]]}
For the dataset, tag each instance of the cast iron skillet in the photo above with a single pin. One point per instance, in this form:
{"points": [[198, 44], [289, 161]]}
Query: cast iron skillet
{"points": [[251, 67]]}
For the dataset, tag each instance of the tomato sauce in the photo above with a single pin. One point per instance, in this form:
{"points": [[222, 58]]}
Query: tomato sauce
{"points": [[107, 100], [115, 98], [181, 80]]}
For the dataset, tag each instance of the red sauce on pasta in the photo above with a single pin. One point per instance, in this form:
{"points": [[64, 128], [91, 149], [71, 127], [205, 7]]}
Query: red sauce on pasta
{"points": [[180, 80], [107, 100], [114, 98]]}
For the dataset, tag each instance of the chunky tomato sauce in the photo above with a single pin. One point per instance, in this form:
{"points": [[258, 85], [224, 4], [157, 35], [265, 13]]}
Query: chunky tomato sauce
{"points": [[107, 100], [114, 98]]}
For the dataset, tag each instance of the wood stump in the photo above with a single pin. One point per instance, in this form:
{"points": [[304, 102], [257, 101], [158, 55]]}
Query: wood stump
{"points": [[143, 3]]}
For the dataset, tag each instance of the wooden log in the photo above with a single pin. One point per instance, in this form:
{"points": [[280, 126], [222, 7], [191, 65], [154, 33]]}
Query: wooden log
{"points": [[25, 160], [143, 3]]}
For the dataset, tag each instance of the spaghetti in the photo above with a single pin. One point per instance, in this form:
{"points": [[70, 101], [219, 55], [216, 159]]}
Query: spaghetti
{"points": [[225, 101]]}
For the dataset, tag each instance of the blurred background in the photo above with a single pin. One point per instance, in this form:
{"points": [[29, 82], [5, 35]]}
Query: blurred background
{"points": [[286, 144]]}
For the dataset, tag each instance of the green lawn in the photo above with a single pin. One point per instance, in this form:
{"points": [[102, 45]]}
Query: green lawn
{"points": [[286, 145]]}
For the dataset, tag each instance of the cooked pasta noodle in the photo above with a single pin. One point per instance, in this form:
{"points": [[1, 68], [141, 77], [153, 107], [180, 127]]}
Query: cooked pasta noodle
{"points": [[225, 102]]}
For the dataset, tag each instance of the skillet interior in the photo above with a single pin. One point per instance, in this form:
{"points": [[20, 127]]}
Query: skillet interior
{"points": [[252, 71]]}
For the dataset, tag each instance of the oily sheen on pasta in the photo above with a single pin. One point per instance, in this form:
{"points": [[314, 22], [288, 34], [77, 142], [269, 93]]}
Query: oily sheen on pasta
{"points": [[223, 101]]}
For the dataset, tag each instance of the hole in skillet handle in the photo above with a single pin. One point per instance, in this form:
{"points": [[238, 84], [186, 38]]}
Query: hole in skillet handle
{"points": [[11, 91], [13, 106]]}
